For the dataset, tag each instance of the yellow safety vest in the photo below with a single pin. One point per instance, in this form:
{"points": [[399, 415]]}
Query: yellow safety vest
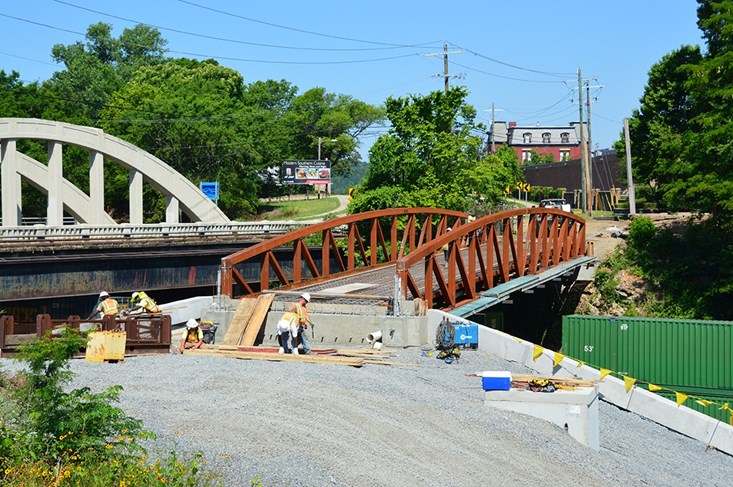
{"points": [[109, 307], [149, 305]]}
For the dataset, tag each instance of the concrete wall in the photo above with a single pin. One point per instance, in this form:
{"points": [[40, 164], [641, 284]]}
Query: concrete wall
{"points": [[684, 420]]}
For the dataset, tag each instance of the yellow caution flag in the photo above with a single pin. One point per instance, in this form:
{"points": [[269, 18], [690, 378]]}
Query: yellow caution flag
{"points": [[629, 383], [731, 417], [681, 398], [654, 388], [580, 363], [724, 407], [558, 358], [519, 340], [537, 352], [704, 402], [605, 372]]}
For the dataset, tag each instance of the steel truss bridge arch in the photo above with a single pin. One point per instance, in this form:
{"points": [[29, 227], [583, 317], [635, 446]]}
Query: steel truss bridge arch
{"points": [[482, 254], [418, 226], [488, 252], [63, 196]]}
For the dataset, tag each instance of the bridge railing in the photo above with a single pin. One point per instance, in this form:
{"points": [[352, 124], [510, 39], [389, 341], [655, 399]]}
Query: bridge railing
{"points": [[392, 233], [124, 230], [489, 251]]}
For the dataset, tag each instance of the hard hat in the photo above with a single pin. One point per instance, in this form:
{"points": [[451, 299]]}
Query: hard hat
{"points": [[306, 296], [192, 323], [103, 294], [134, 297]]}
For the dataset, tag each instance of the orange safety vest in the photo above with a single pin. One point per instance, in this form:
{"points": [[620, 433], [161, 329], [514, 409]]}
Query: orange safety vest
{"points": [[109, 307]]}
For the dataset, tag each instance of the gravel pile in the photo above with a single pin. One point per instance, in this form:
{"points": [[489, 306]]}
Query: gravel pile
{"points": [[297, 424]]}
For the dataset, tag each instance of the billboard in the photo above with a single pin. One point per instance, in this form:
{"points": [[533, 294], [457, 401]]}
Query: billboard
{"points": [[306, 172]]}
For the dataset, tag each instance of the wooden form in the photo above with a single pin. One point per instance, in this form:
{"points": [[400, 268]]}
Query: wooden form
{"points": [[239, 321], [256, 319]]}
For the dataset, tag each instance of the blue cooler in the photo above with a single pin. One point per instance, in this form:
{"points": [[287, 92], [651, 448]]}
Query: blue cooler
{"points": [[496, 380], [466, 334]]}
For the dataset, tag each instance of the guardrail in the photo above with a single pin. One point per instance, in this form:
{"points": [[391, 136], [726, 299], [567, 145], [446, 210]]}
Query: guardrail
{"points": [[83, 231]]}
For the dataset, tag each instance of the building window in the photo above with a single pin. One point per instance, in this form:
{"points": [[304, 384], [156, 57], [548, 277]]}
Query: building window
{"points": [[564, 155], [546, 138], [526, 155], [527, 137], [565, 137]]}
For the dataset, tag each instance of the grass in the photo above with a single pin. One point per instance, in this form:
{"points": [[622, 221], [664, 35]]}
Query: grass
{"points": [[298, 209]]}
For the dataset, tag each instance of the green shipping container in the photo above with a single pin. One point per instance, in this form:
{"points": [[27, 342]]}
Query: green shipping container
{"points": [[670, 353]]}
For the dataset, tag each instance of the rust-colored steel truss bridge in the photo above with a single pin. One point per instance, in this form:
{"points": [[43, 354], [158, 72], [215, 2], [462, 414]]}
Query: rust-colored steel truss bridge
{"points": [[480, 254]]}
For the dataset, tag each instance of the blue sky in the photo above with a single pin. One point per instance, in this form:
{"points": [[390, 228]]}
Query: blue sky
{"points": [[521, 56]]}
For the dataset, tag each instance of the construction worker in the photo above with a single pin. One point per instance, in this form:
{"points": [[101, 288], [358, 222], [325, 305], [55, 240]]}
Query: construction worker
{"points": [[107, 306], [299, 309], [193, 337], [142, 303]]}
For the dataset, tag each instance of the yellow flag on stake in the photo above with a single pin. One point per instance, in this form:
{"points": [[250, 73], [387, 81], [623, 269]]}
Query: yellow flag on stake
{"points": [[605, 372], [537, 352], [629, 383], [654, 388], [681, 398], [558, 358]]}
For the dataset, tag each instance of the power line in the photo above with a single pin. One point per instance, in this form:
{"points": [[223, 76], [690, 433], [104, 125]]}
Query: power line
{"points": [[295, 29], [222, 39], [547, 73]]}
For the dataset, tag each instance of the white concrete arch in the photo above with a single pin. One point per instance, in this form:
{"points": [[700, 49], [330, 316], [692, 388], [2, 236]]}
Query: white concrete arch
{"points": [[179, 191], [75, 201]]}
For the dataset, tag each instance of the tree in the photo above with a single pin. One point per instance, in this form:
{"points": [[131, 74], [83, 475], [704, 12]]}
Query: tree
{"points": [[432, 157], [681, 133]]}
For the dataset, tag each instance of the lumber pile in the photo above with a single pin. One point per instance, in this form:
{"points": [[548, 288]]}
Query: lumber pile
{"points": [[350, 357]]}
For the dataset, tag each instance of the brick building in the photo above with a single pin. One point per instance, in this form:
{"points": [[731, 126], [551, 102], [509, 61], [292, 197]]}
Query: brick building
{"points": [[563, 142]]}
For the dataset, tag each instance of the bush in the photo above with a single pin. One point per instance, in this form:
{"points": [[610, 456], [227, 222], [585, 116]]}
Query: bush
{"points": [[50, 436]]}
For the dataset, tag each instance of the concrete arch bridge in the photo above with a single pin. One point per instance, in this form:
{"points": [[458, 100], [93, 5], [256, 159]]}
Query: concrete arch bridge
{"points": [[64, 197]]}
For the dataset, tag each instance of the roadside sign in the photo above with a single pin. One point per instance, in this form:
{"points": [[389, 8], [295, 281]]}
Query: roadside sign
{"points": [[210, 190]]}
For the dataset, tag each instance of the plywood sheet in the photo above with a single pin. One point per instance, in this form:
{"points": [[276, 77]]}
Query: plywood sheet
{"points": [[239, 321], [257, 317]]}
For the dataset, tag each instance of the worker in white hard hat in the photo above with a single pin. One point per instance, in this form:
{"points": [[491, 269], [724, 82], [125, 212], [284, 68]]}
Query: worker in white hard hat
{"points": [[193, 336], [106, 306], [299, 309]]}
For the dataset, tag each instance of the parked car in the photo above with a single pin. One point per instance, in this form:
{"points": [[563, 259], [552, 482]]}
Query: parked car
{"points": [[558, 203]]}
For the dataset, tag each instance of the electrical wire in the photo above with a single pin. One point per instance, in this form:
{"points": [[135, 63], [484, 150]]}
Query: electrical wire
{"points": [[224, 39]]}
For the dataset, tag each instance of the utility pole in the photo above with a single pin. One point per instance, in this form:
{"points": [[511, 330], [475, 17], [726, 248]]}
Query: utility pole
{"points": [[493, 148], [629, 176], [446, 76], [583, 148], [590, 148]]}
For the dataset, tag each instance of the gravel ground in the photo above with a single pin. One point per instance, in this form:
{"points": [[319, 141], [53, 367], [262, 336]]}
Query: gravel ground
{"points": [[297, 424]]}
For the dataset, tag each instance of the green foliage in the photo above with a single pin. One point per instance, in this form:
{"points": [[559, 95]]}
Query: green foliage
{"points": [[691, 268], [537, 158], [53, 436], [681, 134], [431, 158]]}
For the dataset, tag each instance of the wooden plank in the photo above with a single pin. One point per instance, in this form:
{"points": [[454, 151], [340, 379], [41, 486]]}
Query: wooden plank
{"points": [[239, 321], [276, 357], [256, 319]]}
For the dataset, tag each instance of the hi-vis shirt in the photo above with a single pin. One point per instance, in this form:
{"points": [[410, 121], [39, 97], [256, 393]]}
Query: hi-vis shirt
{"points": [[194, 334], [301, 313], [108, 307]]}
